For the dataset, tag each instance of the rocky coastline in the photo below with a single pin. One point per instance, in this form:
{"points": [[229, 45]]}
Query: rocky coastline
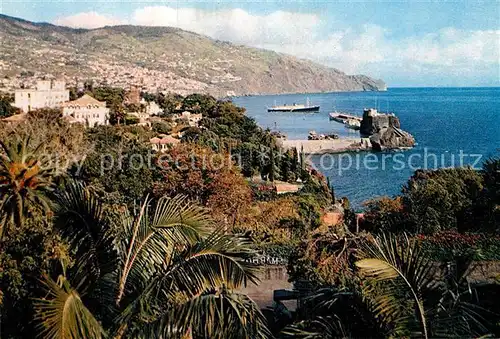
{"points": [[378, 132], [383, 130]]}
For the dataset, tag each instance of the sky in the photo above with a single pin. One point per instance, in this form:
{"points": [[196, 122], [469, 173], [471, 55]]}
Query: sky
{"points": [[405, 43]]}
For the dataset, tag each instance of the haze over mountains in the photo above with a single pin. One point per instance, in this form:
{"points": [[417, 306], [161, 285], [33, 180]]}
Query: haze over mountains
{"points": [[160, 58]]}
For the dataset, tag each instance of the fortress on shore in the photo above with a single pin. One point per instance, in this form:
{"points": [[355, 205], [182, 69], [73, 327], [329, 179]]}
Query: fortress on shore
{"points": [[383, 130]]}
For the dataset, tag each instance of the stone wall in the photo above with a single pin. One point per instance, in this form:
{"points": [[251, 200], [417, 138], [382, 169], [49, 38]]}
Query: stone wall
{"points": [[373, 122], [271, 278], [276, 278]]}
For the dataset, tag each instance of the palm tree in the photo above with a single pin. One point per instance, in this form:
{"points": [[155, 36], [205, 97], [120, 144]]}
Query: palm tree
{"points": [[405, 290], [25, 181], [397, 292], [165, 274], [334, 312]]}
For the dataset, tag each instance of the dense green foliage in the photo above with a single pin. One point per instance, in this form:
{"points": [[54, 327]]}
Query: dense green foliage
{"points": [[25, 254], [225, 127], [441, 199], [6, 108], [422, 284], [117, 240], [169, 258], [396, 290], [161, 127], [76, 236], [119, 162], [458, 199], [99, 263]]}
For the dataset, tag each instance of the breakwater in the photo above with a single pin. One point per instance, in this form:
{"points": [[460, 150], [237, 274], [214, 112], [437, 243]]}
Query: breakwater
{"points": [[444, 119], [327, 146]]}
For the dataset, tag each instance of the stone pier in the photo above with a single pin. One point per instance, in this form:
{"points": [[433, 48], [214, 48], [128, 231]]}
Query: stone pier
{"points": [[327, 146]]}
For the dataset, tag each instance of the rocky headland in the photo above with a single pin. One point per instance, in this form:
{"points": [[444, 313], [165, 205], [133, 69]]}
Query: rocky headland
{"points": [[378, 132], [383, 130]]}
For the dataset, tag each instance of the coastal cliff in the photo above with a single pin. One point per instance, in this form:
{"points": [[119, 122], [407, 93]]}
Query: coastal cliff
{"points": [[384, 131], [160, 58]]}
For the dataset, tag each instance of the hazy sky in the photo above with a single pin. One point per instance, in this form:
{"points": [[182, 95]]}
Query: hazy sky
{"points": [[406, 43]]}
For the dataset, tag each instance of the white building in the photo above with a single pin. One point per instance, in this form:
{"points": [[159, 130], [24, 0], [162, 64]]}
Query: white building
{"points": [[146, 113], [152, 107], [87, 110], [143, 118], [46, 94], [193, 119]]}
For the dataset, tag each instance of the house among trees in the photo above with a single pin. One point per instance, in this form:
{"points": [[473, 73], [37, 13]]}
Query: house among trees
{"points": [[152, 108], [192, 118], [15, 119], [284, 187], [145, 112], [86, 110], [162, 144], [48, 93]]}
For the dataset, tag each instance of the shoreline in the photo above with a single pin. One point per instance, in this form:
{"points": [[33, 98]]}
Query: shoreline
{"points": [[365, 91], [302, 93], [333, 146]]}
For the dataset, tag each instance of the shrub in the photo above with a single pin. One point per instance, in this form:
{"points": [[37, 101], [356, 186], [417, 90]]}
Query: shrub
{"points": [[442, 199], [384, 215], [161, 127], [447, 245]]}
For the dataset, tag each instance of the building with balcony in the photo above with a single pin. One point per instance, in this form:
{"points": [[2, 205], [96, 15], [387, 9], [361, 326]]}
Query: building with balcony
{"points": [[48, 93]]}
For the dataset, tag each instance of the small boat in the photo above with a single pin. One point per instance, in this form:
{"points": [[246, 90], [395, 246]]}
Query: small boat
{"points": [[314, 136], [294, 108]]}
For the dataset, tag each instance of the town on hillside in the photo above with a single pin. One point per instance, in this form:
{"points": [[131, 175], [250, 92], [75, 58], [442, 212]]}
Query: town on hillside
{"points": [[90, 112]]}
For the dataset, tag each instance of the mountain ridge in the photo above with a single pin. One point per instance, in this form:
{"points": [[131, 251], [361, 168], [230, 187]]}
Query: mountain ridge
{"points": [[160, 58]]}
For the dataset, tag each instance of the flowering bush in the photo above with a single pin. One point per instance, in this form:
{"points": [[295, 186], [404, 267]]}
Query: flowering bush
{"points": [[445, 245]]}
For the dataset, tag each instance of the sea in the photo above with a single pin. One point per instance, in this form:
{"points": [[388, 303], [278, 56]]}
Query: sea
{"points": [[452, 127]]}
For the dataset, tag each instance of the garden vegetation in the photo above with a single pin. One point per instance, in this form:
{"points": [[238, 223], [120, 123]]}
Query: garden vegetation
{"points": [[94, 244]]}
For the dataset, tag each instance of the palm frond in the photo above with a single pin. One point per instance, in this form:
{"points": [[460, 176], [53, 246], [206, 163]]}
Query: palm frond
{"points": [[455, 316], [80, 218], [378, 268], [215, 314], [25, 181], [217, 260], [392, 260], [148, 242], [63, 315], [341, 312], [178, 212], [328, 327]]}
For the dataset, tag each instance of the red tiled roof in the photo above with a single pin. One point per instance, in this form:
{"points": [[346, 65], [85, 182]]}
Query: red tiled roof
{"points": [[166, 140], [16, 118], [85, 101]]}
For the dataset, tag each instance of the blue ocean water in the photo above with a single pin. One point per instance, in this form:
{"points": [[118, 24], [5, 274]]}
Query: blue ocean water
{"points": [[452, 127]]}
